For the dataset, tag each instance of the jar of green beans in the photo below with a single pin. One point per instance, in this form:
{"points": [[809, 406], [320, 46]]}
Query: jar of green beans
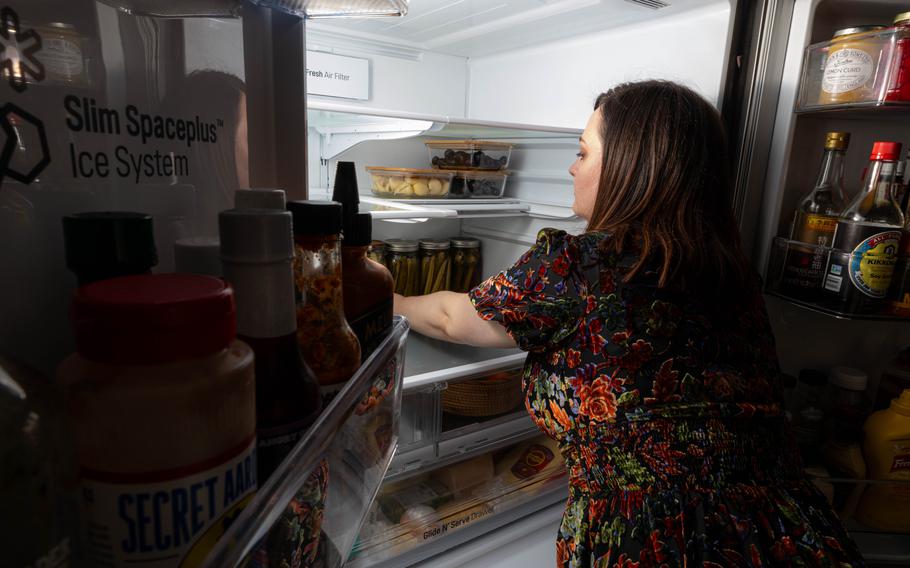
{"points": [[376, 251], [435, 265], [401, 260], [465, 264]]}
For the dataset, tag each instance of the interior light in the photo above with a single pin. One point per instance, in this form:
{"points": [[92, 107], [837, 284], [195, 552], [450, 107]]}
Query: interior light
{"points": [[338, 8]]}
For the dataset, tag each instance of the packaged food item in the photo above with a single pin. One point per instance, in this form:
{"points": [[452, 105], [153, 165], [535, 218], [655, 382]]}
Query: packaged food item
{"points": [[368, 286], [815, 221], [427, 492], [851, 72], [401, 258], [161, 401], [328, 343], [435, 265], [479, 184], [529, 459], [895, 378], [866, 240], [36, 470], [107, 244], [410, 183], [469, 154], [899, 86], [463, 477], [887, 449], [466, 264]]}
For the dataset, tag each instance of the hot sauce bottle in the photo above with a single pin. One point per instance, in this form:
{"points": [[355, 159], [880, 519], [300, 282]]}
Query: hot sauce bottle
{"points": [[328, 343]]}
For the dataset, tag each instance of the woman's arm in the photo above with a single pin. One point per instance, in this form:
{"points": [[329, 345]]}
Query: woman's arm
{"points": [[451, 317]]}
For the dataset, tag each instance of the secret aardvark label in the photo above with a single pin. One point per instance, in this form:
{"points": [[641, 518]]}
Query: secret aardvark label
{"points": [[166, 519]]}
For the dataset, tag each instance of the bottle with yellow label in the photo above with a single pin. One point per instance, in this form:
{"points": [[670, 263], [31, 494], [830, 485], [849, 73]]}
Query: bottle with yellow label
{"points": [[815, 221], [887, 450]]}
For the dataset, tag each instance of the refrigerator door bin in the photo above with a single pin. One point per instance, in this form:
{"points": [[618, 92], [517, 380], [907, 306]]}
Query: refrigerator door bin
{"points": [[332, 475]]}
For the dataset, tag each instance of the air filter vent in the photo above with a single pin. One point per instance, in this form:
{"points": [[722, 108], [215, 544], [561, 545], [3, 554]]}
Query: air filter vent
{"points": [[650, 4]]}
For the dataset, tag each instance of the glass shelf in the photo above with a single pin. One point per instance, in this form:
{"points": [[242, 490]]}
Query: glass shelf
{"points": [[327, 484], [833, 313]]}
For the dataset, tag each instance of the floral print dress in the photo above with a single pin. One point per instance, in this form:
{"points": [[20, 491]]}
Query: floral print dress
{"points": [[667, 411]]}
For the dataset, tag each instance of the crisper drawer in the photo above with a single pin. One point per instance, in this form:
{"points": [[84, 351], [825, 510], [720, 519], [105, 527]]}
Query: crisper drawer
{"points": [[421, 515], [876, 513], [326, 485]]}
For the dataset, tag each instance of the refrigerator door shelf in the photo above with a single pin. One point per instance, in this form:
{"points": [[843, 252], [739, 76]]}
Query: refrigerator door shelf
{"points": [[335, 469], [444, 208]]}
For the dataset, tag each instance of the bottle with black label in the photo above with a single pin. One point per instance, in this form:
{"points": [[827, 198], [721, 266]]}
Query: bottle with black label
{"points": [[368, 286], [257, 252], [815, 221], [868, 234]]}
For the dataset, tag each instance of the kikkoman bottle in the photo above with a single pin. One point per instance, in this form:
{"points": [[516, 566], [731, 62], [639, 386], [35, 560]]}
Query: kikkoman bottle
{"points": [[106, 244], [328, 343], [815, 221], [161, 400], [867, 237], [257, 251], [368, 286]]}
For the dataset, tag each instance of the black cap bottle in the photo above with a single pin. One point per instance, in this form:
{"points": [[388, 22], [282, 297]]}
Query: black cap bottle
{"points": [[106, 244]]}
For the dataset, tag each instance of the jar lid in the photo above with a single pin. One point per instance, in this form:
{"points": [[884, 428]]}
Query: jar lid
{"points": [[850, 379], [153, 319], [316, 217], [813, 377], [259, 198], [469, 144], [198, 255], [465, 242], [109, 243], [435, 244], [887, 151], [857, 30], [252, 236], [401, 245], [837, 140], [902, 17]]}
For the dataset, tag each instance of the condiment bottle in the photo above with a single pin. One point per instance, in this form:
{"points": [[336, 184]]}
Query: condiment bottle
{"points": [[368, 286], [465, 264], [106, 244], [401, 258], [328, 343], [257, 250], [36, 471], [435, 265], [260, 198], [887, 449], [161, 401], [846, 407], [850, 73], [198, 255], [807, 413], [899, 87], [859, 271]]}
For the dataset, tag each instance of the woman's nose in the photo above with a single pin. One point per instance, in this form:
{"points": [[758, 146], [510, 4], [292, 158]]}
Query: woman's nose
{"points": [[572, 169]]}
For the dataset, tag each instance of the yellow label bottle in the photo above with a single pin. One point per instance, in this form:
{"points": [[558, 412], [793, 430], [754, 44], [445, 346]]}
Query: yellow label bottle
{"points": [[887, 450]]}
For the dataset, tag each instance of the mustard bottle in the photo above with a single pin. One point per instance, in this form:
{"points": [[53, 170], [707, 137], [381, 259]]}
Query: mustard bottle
{"points": [[887, 450]]}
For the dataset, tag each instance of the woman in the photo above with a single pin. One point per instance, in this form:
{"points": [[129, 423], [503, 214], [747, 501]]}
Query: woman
{"points": [[650, 355]]}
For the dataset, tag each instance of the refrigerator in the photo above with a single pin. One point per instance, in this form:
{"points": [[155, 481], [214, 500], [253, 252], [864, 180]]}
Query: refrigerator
{"points": [[88, 88]]}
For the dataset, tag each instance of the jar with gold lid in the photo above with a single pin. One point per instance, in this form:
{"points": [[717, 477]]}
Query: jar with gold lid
{"points": [[852, 70]]}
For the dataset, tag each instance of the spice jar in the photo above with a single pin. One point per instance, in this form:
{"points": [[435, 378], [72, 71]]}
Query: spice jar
{"points": [[465, 264], [435, 265], [161, 399], [376, 252], [899, 87], [327, 341], [851, 67], [401, 259]]}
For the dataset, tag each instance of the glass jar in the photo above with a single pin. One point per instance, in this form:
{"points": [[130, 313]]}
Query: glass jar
{"points": [[61, 52], [846, 405], [401, 259], [160, 398], [376, 252], [326, 339], [465, 264], [808, 416], [435, 265], [851, 66], [899, 86]]}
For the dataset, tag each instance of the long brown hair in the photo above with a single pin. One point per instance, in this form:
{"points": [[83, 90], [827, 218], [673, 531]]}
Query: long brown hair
{"points": [[665, 182]]}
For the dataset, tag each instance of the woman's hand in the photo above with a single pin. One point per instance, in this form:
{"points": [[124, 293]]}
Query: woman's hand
{"points": [[451, 317]]}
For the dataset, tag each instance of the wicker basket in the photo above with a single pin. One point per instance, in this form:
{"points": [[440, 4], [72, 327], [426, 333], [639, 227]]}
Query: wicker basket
{"points": [[488, 396]]}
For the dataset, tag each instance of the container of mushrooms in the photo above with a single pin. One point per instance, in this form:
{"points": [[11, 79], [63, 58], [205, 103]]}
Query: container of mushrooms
{"points": [[410, 183]]}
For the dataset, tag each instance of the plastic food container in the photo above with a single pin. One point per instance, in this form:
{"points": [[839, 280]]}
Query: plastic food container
{"points": [[469, 154], [478, 184], [857, 67], [410, 183]]}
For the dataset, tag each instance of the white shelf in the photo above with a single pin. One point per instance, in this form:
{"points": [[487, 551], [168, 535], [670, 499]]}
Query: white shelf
{"points": [[430, 361]]}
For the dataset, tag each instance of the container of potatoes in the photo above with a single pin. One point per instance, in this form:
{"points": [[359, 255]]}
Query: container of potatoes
{"points": [[410, 183]]}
